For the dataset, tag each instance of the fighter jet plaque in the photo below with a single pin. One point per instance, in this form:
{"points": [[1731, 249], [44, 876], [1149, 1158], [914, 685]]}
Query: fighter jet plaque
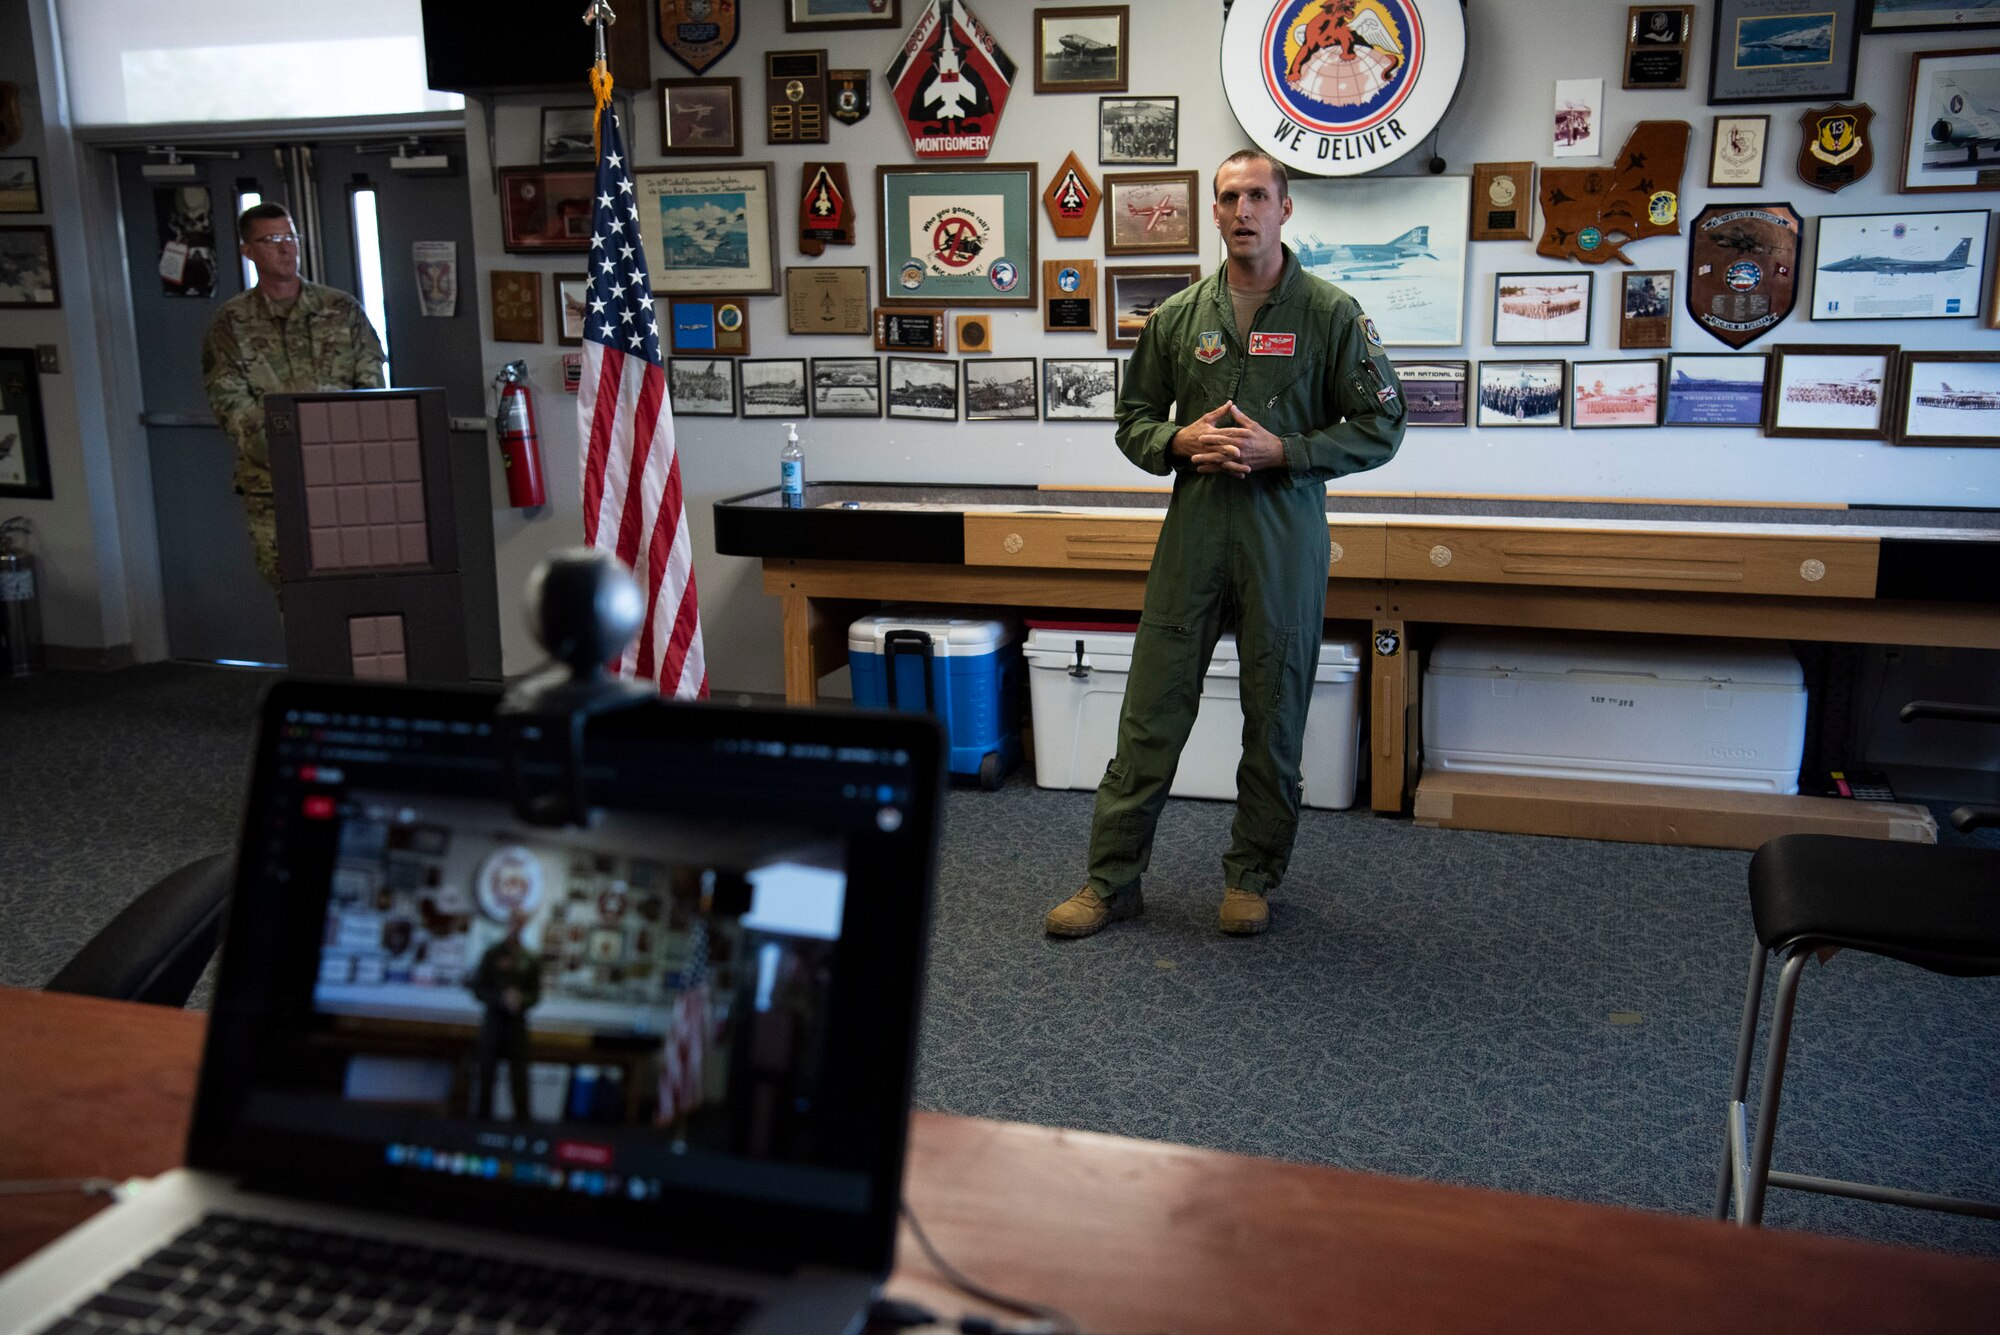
{"points": [[698, 32], [1838, 148], [1071, 200], [950, 82], [826, 209], [1591, 213], [1743, 268]]}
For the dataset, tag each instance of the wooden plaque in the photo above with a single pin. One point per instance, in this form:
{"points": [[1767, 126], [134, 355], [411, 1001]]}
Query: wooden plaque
{"points": [[826, 208], [975, 333], [1656, 45], [1590, 213], [795, 97], [1646, 308], [826, 299], [1069, 296], [1072, 199], [517, 305], [1836, 147], [1503, 201], [905, 330], [1743, 268]]}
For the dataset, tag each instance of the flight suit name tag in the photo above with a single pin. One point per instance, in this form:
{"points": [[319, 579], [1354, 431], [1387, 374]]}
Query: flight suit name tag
{"points": [[1272, 345]]}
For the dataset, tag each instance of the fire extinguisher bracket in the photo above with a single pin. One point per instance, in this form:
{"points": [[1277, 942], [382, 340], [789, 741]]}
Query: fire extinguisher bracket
{"points": [[520, 446]]}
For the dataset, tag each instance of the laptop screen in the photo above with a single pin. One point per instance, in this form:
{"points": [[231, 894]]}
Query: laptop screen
{"points": [[687, 1025]]}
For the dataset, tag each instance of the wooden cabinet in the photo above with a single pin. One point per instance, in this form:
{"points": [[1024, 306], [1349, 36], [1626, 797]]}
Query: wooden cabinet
{"points": [[1805, 565]]}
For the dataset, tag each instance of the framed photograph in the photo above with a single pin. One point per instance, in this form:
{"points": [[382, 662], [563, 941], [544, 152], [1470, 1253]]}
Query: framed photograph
{"points": [[545, 211], [1082, 389], [1578, 125], [826, 299], [1716, 389], [709, 229], [719, 325], [28, 269], [1737, 160], [701, 117], [1081, 50], [1829, 391], [1397, 244], [1132, 293], [1656, 45], [24, 444], [572, 305], [1138, 131], [1615, 393], [1521, 393], [1948, 398], [1646, 308], [1928, 15], [841, 15], [847, 386], [1782, 51], [516, 301], [569, 137], [957, 236], [1150, 213], [1434, 392], [1899, 266], [1503, 201], [923, 387], [1952, 136], [20, 186], [1551, 307], [701, 386], [1000, 389], [773, 386]]}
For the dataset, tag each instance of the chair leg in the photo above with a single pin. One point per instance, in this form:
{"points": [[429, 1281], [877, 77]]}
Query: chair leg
{"points": [[1739, 1085], [1774, 1079]]}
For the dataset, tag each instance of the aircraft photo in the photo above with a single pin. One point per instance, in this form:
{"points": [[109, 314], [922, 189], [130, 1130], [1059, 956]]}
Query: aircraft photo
{"points": [[1967, 119], [1959, 258], [1336, 262], [1782, 40], [1154, 214]]}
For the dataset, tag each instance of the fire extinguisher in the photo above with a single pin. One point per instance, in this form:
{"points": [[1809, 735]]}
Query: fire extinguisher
{"points": [[520, 447], [20, 609]]}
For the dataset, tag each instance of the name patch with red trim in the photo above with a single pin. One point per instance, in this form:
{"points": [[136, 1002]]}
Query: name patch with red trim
{"points": [[1272, 345]]}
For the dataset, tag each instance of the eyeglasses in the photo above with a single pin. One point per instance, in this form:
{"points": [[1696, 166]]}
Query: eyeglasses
{"points": [[276, 239]]}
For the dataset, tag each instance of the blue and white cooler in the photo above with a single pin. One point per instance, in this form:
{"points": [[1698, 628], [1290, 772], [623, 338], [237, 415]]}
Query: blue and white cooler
{"points": [[965, 671]]}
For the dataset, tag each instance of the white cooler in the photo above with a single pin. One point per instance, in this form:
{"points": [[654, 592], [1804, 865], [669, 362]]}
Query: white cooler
{"points": [[1076, 702], [1637, 709]]}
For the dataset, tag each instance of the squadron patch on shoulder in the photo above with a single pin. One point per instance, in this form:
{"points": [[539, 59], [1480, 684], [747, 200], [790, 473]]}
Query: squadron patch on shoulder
{"points": [[1368, 331], [1208, 345]]}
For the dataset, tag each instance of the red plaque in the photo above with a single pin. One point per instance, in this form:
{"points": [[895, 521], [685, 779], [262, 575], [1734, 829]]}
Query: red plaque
{"points": [[950, 82], [826, 209]]}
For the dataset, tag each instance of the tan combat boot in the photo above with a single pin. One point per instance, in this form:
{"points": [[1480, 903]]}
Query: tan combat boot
{"points": [[1086, 912], [1244, 913]]}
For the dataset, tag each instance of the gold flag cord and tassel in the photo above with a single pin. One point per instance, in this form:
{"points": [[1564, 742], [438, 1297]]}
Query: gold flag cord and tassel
{"points": [[597, 16]]}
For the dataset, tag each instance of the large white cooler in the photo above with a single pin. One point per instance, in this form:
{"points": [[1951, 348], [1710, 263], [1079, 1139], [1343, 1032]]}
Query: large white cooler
{"points": [[1637, 709], [1076, 695]]}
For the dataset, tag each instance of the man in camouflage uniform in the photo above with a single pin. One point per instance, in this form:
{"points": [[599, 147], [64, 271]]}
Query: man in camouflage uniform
{"points": [[284, 335]]}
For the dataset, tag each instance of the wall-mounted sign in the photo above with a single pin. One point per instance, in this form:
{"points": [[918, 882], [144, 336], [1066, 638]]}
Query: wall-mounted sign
{"points": [[1341, 87], [950, 82]]}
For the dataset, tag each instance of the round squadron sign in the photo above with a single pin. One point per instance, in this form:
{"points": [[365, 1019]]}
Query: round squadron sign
{"points": [[1341, 87]]}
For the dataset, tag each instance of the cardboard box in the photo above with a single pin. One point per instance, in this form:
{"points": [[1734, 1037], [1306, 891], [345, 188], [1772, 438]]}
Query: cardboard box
{"points": [[1639, 813]]}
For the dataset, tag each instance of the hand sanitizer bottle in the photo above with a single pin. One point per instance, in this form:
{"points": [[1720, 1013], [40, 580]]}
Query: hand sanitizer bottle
{"points": [[792, 470]]}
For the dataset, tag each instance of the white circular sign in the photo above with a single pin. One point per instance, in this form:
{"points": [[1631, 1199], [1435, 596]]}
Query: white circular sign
{"points": [[1341, 87], [509, 882]]}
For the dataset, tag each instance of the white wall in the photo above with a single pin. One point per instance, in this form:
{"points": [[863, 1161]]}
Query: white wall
{"points": [[1502, 113]]}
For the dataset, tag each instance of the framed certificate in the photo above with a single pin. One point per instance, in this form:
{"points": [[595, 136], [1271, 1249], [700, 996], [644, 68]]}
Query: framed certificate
{"points": [[957, 236], [708, 229], [1738, 156]]}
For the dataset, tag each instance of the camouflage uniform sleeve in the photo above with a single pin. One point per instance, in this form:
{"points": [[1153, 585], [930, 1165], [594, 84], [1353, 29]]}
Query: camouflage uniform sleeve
{"points": [[1367, 407], [235, 403], [366, 371]]}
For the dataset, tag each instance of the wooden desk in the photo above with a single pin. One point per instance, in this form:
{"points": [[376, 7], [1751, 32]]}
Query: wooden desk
{"points": [[1849, 574], [1125, 1235]]}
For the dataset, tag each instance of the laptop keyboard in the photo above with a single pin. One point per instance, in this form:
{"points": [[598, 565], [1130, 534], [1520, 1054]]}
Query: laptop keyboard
{"points": [[237, 1276]]}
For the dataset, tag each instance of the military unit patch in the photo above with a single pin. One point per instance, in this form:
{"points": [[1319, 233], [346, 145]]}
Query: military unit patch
{"points": [[1208, 346], [1368, 331]]}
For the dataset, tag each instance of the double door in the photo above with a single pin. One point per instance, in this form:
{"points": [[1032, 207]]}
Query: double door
{"points": [[358, 217]]}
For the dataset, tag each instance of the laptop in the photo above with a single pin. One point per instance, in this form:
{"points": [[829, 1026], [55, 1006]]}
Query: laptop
{"points": [[467, 1072]]}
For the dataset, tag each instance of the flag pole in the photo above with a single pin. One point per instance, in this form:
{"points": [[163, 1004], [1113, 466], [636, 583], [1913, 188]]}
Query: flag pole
{"points": [[598, 16]]}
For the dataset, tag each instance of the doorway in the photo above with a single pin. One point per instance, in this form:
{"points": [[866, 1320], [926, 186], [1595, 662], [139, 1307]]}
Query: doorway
{"points": [[362, 222]]}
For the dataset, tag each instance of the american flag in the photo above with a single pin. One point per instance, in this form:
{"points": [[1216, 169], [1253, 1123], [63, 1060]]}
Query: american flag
{"points": [[632, 503], [690, 1028]]}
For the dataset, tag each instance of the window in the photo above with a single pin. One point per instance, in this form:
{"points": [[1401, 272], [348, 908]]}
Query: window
{"points": [[368, 270]]}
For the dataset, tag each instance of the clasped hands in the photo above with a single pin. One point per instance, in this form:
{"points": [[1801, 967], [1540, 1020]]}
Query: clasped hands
{"points": [[1224, 440]]}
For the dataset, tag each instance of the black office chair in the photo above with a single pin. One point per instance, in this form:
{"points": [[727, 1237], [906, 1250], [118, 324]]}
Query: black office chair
{"points": [[158, 946], [1934, 906]]}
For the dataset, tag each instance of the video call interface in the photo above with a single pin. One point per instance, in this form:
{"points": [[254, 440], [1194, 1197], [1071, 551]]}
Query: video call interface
{"points": [[622, 1009]]}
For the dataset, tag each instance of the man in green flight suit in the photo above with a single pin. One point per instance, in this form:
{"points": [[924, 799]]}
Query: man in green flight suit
{"points": [[508, 983], [1252, 388], [284, 335]]}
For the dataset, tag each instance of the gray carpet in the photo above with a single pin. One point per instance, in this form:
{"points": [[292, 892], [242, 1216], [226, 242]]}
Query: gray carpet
{"points": [[1539, 1015]]}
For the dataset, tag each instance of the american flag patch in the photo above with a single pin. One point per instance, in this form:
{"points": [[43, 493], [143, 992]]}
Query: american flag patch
{"points": [[1385, 394]]}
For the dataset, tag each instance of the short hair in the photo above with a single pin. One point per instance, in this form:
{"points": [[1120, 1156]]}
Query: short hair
{"points": [[1254, 155], [257, 213]]}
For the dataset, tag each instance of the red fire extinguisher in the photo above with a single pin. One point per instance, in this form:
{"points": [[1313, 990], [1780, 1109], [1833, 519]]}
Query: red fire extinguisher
{"points": [[520, 447]]}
